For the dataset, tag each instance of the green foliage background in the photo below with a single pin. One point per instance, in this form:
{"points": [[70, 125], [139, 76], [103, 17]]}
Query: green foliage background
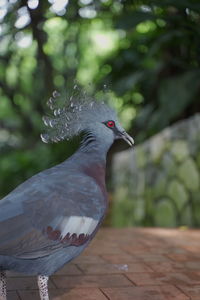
{"points": [[146, 52]]}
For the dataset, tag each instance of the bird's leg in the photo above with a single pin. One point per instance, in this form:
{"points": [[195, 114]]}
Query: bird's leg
{"points": [[2, 285], [43, 287]]}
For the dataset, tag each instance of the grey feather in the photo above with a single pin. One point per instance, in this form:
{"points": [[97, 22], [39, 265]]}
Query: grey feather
{"points": [[55, 188], [72, 116]]}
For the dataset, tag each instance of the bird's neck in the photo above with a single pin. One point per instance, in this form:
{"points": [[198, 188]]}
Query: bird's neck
{"points": [[93, 152], [96, 146]]}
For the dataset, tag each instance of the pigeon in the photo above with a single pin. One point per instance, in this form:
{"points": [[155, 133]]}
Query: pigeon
{"points": [[49, 219]]}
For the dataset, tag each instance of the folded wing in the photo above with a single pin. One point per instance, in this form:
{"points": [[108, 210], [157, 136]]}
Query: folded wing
{"points": [[46, 214]]}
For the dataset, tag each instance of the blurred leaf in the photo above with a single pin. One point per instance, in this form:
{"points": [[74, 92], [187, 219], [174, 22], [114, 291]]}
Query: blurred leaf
{"points": [[192, 4], [132, 19], [175, 94], [128, 82]]}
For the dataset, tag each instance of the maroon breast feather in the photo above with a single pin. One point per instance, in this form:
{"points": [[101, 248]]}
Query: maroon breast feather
{"points": [[70, 239]]}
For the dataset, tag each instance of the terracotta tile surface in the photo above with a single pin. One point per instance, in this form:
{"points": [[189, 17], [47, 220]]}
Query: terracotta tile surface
{"points": [[24, 283], [104, 280], [192, 291], [119, 258], [166, 292], [114, 268], [187, 278], [125, 264], [13, 295], [69, 269], [184, 257], [150, 257], [89, 259], [66, 294]]}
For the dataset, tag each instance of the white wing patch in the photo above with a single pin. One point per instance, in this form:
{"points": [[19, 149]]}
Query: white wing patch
{"points": [[78, 225]]}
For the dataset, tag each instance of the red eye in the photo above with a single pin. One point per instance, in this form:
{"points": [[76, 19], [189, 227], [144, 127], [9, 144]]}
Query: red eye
{"points": [[110, 124]]}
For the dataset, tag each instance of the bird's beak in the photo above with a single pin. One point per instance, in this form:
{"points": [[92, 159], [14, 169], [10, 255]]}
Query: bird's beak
{"points": [[125, 136]]}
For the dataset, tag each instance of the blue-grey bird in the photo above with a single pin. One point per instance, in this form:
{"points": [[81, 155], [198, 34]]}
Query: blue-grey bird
{"points": [[49, 219]]}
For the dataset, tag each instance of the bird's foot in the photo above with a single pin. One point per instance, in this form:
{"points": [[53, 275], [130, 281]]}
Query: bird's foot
{"points": [[43, 287], [2, 285]]}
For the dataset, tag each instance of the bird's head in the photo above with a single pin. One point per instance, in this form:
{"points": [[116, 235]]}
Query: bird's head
{"points": [[94, 118], [105, 125]]}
